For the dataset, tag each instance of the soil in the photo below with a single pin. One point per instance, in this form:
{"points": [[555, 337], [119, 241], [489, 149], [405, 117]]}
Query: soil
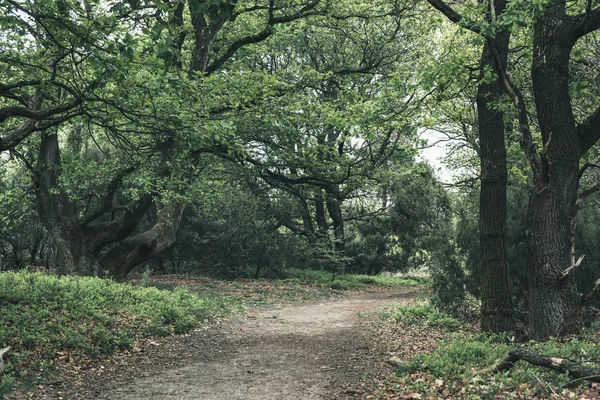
{"points": [[309, 350]]}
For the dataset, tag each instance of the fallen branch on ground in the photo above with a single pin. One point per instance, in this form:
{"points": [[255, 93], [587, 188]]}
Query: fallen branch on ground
{"points": [[561, 365]]}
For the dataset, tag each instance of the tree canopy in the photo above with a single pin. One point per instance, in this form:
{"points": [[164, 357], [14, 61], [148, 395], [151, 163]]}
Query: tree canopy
{"points": [[246, 137]]}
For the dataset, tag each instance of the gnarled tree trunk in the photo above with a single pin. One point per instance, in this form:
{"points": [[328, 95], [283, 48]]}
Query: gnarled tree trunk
{"points": [[89, 245]]}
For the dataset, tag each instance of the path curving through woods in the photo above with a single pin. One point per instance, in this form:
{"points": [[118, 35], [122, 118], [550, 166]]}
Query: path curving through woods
{"points": [[312, 350]]}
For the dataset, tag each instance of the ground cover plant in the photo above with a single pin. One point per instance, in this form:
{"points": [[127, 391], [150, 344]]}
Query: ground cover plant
{"points": [[47, 319], [50, 321], [434, 358], [289, 284]]}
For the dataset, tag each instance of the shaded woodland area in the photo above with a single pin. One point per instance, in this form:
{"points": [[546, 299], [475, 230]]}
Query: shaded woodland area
{"points": [[245, 138]]}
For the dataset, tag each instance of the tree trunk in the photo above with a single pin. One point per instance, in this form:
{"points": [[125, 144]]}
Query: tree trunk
{"points": [[56, 211], [82, 243], [127, 254], [496, 298], [307, 222], [554, 307], [335, 212], [321, 219]]}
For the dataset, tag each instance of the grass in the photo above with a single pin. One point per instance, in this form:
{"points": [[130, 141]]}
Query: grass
{"points": [[45, 316]]}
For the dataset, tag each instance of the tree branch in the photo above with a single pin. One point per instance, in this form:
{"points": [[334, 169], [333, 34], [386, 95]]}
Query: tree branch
{"points": [[108, 199], [585, 167], [589, 192], [587, 22], [263, 35], [572, 268], [589, 132], [26, 127], [516, 96], [592, 292], [454, 16]]}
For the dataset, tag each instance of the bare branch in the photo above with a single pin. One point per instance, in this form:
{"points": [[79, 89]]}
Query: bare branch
{"points": [[592, 292], [572, 268], [561, 365]]}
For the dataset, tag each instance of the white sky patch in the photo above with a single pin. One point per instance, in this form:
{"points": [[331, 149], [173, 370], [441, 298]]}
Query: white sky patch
{"points": [[434, 153]]}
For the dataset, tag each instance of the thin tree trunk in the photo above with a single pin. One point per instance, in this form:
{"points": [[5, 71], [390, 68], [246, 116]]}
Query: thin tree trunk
{"points": [[321, 219], [335, 212]]}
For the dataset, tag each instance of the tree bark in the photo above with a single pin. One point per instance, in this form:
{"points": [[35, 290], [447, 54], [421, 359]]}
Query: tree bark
{"points": [[554, 307], [496, 297], [123, 257], [84, 244], [321, 219]]}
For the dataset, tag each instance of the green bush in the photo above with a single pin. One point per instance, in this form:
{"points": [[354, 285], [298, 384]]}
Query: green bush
{"points": [[458, 355]]}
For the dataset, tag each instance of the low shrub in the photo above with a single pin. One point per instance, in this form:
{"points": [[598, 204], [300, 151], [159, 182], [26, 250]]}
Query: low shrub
{"points": [[354, 282]]}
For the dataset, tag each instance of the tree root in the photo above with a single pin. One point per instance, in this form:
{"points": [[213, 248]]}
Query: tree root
{"points": [[575, 370]]}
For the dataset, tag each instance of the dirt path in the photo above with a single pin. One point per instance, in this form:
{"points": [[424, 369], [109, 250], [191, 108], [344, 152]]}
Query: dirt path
{"points": [[316, 350]]}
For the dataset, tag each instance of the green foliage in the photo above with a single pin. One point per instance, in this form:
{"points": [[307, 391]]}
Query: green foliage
{"points": [[425, 315], [353, 281], [456, 358], [42, 315], [231, 231]]}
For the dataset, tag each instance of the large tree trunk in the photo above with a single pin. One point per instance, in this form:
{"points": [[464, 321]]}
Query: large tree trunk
{"points": [[554, 306], [56, 211], [82, 242], [123, 257], [496, 298]]}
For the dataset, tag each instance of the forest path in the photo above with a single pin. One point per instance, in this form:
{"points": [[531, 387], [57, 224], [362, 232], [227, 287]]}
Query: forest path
{"points": [[311, 350]]}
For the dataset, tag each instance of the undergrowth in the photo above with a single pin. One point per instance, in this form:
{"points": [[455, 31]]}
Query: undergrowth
{"points": [[453, 368], [44, 317], [425, 314], [350, 281]]}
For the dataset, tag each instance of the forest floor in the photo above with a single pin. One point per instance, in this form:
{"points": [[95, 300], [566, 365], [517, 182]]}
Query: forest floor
{"points": [[309, 349]]}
